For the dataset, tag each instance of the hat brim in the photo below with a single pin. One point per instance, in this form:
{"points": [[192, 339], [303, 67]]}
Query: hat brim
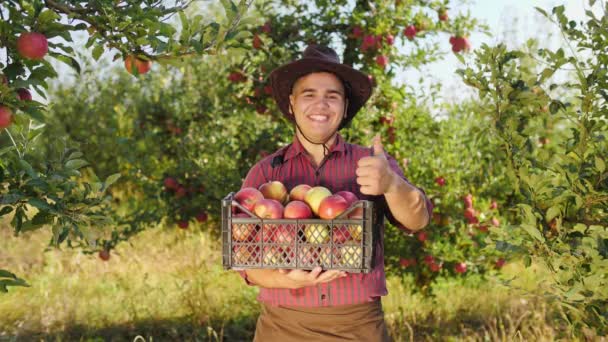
{"points": [[283, 78]]}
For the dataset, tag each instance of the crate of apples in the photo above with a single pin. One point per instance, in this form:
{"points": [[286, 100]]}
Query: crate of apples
{"points": [[307, 226]]}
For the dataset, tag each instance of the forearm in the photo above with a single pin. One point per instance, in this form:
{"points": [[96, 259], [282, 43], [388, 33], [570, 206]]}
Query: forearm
{"points": [[268, 278], [407, 204]]}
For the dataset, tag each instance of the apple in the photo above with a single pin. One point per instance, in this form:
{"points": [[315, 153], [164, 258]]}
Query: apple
{"points": [[348, 196], [369, 41], [351, 256], [257, 42], [241, 255], [410, 32], [6, 116], [442, 14], [201, 216], [170, 183], [356, 231], [268, 90], [340, 235], [460, 44], [32, 45], [314, 197], [331, 207], [382, 61], [483, 228], [242, 231], [297, 210], [268, 209], [133, 62], [261, 109], [272, 256], [180, 191], [440, 181], [434, 267], [495, 222], [267, 27], [183, 224], [422, 236], [248, 197], [471, 215], [307, 256], [460, 267], [298, 193], [390, 39], [274, 190], [325, 256], [317, 233], [285, 234], [428, 259], [236, 77], [24, 94], [500, 262], [468, 201], [357, 32], [405, 263], [104, 255]]}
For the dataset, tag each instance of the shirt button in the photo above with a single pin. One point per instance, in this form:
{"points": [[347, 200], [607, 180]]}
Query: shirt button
{"points": [[323, 297]]}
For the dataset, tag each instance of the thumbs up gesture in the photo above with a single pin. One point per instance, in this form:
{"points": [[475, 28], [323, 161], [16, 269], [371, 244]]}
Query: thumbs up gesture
{"points": [[374, 174]]}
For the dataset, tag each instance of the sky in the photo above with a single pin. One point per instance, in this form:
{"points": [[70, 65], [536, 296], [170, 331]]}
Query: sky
{"points": [[510, 21]]}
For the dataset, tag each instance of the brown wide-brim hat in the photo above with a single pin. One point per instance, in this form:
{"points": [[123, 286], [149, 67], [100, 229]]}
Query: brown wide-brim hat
{"points": [[318, 58]]}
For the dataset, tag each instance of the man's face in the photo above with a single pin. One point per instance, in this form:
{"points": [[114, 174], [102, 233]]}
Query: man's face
{"points": [[318, 101]]}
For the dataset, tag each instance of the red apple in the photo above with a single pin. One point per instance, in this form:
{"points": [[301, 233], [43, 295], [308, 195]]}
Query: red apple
{"points": [[422, 236], [440, 181], [434, 267], [500, 262], [170, 183], [180, 191], [236, 77], [24, 94], [104, 255], [357, 32], [242, 231], [369, 41], [248, 197], [382, 61], [297, 210], [307, 255], [468, 201], [201, 216], [390, 39], [268, 209], [274, 190], [285, 234], [261, 109], [410, 32], [183, 224], [348, 196], [460, 267], [442, 14], [242, 255], [298, 193], [460, 44], [483, 228], [6, 116], [314, 197], [331, 207], [471, 215], [257, 42], [428, 259], [340, 235], [272, 256], [495, 222], [267, 27], [32, 45], [133, 62], [268, 90]]}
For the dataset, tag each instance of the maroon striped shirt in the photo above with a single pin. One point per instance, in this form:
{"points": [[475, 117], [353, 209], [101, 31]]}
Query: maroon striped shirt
{"points": [[336, 172]]}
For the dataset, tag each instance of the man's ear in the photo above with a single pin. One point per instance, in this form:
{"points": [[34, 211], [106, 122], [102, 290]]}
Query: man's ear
{"points": [[291, 101]]}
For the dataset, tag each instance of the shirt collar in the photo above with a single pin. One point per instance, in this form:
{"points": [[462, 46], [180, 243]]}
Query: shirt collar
{"points": [[296, 147]]}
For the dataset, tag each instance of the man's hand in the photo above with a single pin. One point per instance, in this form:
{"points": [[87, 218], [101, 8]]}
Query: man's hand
{"points": [[374, 173], [302, 278]]}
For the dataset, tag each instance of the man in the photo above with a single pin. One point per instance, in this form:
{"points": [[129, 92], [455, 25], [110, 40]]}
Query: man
{"points": [[321, 95]]}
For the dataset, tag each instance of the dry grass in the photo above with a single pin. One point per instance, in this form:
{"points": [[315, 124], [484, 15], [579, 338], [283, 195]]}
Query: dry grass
{"points": [[168, 284]]}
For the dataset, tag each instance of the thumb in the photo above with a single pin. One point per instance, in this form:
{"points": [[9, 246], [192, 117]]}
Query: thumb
{"points": [[377, 145]]}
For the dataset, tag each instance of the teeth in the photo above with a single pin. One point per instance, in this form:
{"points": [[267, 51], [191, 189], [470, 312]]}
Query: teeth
{"points": [[318, 117]]}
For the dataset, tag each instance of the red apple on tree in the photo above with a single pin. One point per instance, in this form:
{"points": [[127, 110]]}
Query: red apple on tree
{"points": [[422, 236], [460, 267], [382, 61], [297, 210], [460, 44], [468, 201], [495, 222], [332, 206], [248, 197], [257, 42], [357, 32], [493, 205], [201, 216], [440, 181], [133, 63], [500, 262], [274, 190], [442, 14], [410, 32], [104, 255], [183, 224], [170, 183], [32, 45], [24, 94], [6, 116], [390, 39]]}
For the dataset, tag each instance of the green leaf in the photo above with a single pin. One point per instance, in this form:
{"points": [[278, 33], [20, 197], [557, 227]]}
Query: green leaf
{"points": [[111, 180], [10, 198], [27, 168], [5, 210], [533, 232], [40, 204], [97, 51], [553, 212], [600, 165], [542, 11], [7, 274], [75, 164]]}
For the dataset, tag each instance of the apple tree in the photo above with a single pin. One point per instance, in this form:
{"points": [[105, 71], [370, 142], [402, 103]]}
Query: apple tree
{"points": [[553, 138], [55, 188]]}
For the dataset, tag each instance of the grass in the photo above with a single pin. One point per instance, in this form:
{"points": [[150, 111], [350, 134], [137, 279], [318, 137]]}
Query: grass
{"points": [[168, 284]]}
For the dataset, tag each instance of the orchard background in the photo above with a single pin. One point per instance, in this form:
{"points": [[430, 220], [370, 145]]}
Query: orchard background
{"points": [[145, 114]]}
